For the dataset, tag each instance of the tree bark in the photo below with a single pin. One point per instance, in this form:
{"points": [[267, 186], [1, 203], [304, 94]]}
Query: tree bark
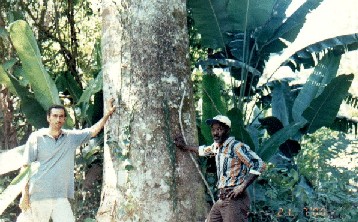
{"points": [[146, 69]]}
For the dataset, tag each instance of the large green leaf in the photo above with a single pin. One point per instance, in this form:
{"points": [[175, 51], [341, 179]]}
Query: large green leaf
{"points": [[84, 103], [9, 64], [270, 146], [269, 37], [97, 109], [5, 80], [352, 100], [23, 174], [280, 27], [214, 19], [281, 102], [16, 186], [65, 81], [291, 27], [323, 110], [230, 63], [94, 86], [213, 103], [323, 73], [277, 18], [344, 40], [30, 106], [348, 42], [32, 109], [238, 129], [41, 83], [10, 194], [13, 154]]}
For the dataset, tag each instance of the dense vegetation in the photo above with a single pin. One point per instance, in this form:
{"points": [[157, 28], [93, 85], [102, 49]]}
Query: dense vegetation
{"points": [[231, 43]]}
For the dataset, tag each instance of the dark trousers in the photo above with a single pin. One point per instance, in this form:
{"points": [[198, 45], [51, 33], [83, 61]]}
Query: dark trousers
{"points": [[230, 210]]}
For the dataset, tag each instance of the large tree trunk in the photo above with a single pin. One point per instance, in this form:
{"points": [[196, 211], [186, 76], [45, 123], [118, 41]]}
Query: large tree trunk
{"points": [[146, 69]]}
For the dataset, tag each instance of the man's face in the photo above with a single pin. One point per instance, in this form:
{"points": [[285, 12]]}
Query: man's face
{"points": [[56, 119], [219, 132]]}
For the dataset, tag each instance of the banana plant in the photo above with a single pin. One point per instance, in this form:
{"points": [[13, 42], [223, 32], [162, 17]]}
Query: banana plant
{"points": [[242, 34], [317, 103], [43, 86]]}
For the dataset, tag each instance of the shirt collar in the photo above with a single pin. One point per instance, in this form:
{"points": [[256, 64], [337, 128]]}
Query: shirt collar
{"points": [[226, 143], [46, 132]]}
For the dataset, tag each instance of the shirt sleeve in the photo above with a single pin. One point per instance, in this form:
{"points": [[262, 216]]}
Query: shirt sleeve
{"points": [[30, 151], [206, 150], [81, 136], [250, 159]]}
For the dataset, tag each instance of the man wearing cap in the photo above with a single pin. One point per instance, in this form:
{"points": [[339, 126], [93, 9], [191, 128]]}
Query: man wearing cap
{"points": [[237, 167]]}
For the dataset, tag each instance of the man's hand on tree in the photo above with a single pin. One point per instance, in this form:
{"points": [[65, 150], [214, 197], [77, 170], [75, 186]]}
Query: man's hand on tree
{"points": [[111, 108], [179, 142]]}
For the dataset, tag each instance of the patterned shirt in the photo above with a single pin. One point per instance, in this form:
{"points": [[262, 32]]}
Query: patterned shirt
{"points": [[234, 161]]}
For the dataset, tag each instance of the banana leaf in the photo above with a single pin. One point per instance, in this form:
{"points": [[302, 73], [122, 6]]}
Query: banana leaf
{"points": [[229, 63], [277, 18], [9, 64], [269, 37], [270, 146], [213, 103], [237, 127], [32, 109], [291, 27], [5, 80], [323, 110], [299, 48], [282, 101], [65, 81], [43, 86], [344, 40], [323, 73], [10, 160], [23, 174], [10, 194], [16, 186], [352, 101], [280, 27], [214, 19], [30, 106], [89, 112], [94, 86]]}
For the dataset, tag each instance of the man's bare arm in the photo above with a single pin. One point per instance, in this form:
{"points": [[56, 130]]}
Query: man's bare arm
{"points": [[242, 187], [180, 143], [96, 128]]}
